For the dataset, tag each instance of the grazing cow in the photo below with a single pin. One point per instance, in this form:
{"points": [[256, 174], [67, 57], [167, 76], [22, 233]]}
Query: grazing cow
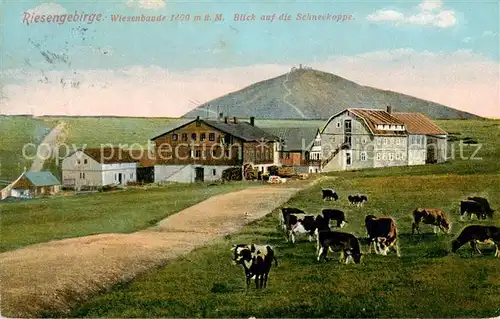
{"points": [[346, 243], [357, 200], [484, 202], [382, 234], [475, 234], [328, 194], [472, 207], [434, 217], [335, 214], [256, 261], [285, 212]]}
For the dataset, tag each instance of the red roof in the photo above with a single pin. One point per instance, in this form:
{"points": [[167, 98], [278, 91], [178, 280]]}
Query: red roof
{"points": [[374, 117], [418, 123]]}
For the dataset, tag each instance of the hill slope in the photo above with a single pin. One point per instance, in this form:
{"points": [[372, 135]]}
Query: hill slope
{"points": [[313, 94]]}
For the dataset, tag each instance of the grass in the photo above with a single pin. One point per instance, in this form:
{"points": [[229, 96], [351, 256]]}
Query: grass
{"points": [[43, 219], [17, 131], [425, 282]]}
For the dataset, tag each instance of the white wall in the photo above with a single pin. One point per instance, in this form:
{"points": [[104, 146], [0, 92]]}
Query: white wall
{"points": [[187, 173], [110, 173], [417, 149], [79, 169]]}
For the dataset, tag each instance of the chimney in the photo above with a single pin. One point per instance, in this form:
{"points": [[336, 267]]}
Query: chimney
{"points": [[252, 121], [197, 118], [389, 109], [221, 116], [235, 120], [225, 119]]}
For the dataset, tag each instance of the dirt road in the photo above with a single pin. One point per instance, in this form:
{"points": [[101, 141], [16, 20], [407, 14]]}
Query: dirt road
{"points": [[54, 276], [50, 145]]}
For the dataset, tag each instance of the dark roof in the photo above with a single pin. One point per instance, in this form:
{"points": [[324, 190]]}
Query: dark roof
{"points": [[42, 178], [241, 129], [295, 138], [374, 117], [111, 155], [418, 123]]}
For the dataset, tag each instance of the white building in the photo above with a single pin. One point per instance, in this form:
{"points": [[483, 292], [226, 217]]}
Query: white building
{"points": [[98, 167]]}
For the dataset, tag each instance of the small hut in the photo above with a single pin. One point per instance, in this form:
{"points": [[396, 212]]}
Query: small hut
{"points": [[32, 184]]}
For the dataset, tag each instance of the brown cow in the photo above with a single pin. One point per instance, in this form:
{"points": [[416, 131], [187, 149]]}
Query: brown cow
{"points": [[429, 216], [382, 234]]}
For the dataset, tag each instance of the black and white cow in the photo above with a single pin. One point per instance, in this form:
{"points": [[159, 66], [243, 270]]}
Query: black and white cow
{"points": [[336, 215], [256, 260], [328, 194], [357, 200], [287, 211], [476, 234], [346, 244], [306, 224]]}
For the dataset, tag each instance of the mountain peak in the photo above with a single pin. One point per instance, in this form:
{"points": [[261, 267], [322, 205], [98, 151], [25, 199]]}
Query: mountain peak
{"points": [[305, 93]]}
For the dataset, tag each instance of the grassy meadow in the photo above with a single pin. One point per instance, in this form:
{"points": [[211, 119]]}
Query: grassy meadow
{"points": [[426, 281], [15, 132], [39, 220]]}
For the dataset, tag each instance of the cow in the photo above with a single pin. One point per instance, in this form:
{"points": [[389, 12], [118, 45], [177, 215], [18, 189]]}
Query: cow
{"points": [[475, 234], [336, 215], [300, 225], [285, 212], [472, 207], [328, 194], [346, 244], [256, 260], [484, 202], [382, 234], [357, 200], [434, 217]]}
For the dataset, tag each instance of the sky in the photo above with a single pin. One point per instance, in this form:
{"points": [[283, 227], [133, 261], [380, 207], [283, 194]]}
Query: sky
{"points": [[443, 51]]}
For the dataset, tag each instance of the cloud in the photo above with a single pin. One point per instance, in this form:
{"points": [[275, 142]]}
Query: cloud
{"points": [[462, 79], [146, 4], [467, 39], [485, 35], [429, 13], [47, 8]]}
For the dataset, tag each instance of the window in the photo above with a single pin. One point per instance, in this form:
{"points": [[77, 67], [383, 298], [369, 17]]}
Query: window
{"points": [[287, 155], [226, 153], [78, 162], [385, 140], [384, 156], [203, 137], [214, 172], [197, 153], [398, 141], [193, 136], [338, 124], [378, 156], [379, 141], [348, 159], [398, 156], [85, 161], [333, 139], [131, 175], [184, 137], [175, 137], [391, 156], [211, 137], [363, 140], [363, 156], [227, 139]]}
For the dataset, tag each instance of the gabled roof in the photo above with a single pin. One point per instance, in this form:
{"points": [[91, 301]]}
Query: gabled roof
{"points": [[295, 138], [42, 178], [418, 123], [241, 129], [374, 117], [111, 155]]}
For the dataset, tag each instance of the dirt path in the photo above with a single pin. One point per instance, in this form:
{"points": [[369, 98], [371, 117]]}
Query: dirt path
{"points": [[55, 276], [51, 141]]}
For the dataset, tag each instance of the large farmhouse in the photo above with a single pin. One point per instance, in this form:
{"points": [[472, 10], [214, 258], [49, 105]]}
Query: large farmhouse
{"points": [[362, 138], [202, 149]]}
